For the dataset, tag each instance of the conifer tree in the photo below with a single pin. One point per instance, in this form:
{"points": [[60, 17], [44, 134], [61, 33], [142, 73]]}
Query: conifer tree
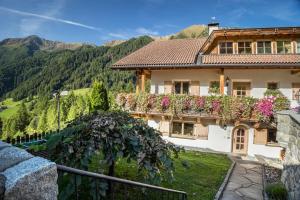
{"points": [[99, 99]]}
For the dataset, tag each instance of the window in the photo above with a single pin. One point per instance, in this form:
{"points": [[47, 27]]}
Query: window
{"points": [[214, 87], [241, 89], [186, 129], [296, 91], [298, 46], [244, 47], [264, 47], [284, 47], [272, 86], [181, 87], [226, 48], [271, 136]]}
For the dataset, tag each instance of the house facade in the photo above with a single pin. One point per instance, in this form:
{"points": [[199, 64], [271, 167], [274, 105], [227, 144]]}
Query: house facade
{"points": [[237, 63]]}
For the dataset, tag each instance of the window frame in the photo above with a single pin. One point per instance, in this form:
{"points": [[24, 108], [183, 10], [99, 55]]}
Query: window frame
{"points": [[244, 41], [219, 47], [264, 47], [272, 82], [284, 40], [210, 87], [294, 88], [268, 136], [181, 86], [182, 134], [248, 92], [297, 46]]}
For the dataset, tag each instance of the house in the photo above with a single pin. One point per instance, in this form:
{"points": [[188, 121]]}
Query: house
{"points": [[237, 63]]}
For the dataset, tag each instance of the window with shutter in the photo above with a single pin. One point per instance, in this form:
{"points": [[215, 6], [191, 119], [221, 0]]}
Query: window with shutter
{"points": [[195, 88], [296, 91], [168, 87], [260, 136]]}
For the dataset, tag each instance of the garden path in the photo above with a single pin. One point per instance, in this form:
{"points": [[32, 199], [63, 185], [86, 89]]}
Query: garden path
{"points": [[245, 182]]}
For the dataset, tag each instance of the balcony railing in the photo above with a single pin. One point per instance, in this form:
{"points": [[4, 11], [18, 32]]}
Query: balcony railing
{"points": [[227, 108], [78, 184]]}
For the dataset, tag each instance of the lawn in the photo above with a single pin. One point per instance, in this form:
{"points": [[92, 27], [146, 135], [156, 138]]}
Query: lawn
{"points": [[197, 173], [12, 108]]}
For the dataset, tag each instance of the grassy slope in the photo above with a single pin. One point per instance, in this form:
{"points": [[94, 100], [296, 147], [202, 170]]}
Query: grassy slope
{"points": [[12, 108], [14, 105], [201, 179]]}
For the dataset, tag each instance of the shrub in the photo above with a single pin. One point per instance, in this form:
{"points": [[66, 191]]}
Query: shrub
{"points": [[276, 191]]}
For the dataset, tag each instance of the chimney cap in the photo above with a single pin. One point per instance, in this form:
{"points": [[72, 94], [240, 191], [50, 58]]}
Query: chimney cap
{"points": [[213, 24]]}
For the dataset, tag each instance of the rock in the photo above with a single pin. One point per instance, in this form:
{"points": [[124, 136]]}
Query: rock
{"points": [[2, 186], [11, 156], [4, 145], [22, 180]]}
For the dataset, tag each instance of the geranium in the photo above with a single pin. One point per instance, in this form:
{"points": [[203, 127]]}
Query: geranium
{"points": [[121, 99], [187, 103], [199, 103], [165, 102], [216, 106], [131, 102], [151, 102], [265, 107]]}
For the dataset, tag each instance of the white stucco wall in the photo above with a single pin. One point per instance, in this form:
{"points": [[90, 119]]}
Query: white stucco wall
{"points": [[258, 78], [260, 149], [220, 139]]}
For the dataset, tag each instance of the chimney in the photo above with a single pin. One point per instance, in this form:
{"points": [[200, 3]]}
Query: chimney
{"points": [[212, 26]]}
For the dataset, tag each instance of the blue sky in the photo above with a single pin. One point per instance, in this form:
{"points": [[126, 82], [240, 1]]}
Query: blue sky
{"points": [[97, 21]]}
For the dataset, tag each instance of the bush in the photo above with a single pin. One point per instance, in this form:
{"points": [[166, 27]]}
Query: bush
{"points": [[276, 191]]}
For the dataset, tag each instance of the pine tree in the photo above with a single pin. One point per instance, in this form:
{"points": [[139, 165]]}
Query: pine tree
{"points": [[99, 99], [22, 118]]}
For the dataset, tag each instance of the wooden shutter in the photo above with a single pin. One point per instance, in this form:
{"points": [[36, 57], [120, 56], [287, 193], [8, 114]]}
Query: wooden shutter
{"points": [[260, 136], [195, 88], [164, 127], [201, 131], [296, 89], [168, 87]]}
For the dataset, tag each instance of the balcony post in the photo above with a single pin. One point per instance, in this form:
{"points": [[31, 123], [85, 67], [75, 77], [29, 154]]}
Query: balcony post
{"points": [[222, 82], [137, 87], [143, 80]]}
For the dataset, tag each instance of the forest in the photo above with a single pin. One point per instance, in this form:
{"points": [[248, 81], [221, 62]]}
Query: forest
{"points": [[29, 76]]}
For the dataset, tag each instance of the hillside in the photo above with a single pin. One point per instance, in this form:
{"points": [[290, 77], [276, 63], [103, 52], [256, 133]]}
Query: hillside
{"points": [[194, 31], [28, 68]]}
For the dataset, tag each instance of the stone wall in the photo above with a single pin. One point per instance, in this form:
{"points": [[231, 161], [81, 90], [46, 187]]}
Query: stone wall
{"points": [[288, 135], [23, 176]]}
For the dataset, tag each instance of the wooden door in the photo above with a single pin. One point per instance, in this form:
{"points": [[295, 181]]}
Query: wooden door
{"points": [[240, 141]]}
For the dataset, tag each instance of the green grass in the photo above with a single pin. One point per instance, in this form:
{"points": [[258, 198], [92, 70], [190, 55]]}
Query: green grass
{"points": [[12, 108], [82, 91], [200, 176]]}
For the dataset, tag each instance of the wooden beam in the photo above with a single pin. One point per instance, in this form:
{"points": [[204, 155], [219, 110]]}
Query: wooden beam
{"points": [[222, 82], [295, 72], [143, 81], [137, 87]]}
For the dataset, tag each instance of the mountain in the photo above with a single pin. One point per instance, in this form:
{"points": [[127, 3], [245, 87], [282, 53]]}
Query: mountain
{"points": [[194, 31], [33, 65], [34, 43]]}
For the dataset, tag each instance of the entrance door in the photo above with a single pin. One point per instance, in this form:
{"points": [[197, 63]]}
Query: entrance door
{"points": [[240, 141]]}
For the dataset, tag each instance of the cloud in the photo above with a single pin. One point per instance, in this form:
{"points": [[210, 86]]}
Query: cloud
{"points": [[144, 31], [45, 17], [118, 35]]}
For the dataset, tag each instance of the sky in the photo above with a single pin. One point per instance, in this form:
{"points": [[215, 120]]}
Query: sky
{"points": [[98, 21]]}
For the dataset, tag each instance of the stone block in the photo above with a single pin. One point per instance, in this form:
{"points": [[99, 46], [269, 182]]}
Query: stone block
{"points": [[2, 186], [11, 156], [4, 145], [33, 179]]}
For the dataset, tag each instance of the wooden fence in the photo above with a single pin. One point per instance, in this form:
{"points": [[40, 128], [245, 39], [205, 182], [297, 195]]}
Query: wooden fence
{"points": [[27, 138]]}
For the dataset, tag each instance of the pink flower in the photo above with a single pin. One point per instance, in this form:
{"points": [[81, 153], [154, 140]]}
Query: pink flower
{"points": [[200, 102], [265, 106], [165, 102], [216, 105]]}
